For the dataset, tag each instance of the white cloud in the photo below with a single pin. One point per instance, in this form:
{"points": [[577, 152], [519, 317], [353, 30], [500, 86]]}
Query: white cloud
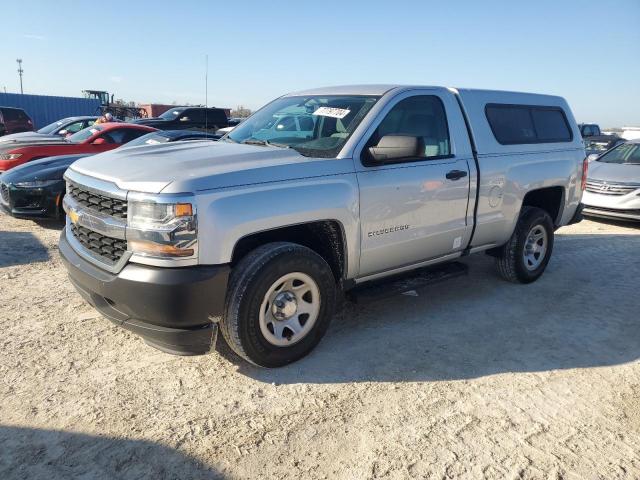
{"points": [[33, 36], [116, 79]]}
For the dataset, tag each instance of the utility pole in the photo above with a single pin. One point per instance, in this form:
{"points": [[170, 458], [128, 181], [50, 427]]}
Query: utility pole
{"points": [[20, 71]]}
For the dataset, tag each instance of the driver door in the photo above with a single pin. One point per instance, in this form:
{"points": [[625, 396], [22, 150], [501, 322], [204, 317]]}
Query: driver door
{"points": [[412, 209]]}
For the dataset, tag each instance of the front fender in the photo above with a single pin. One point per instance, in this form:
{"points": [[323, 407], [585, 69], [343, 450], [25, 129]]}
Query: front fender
{"points": [[225, 216]]}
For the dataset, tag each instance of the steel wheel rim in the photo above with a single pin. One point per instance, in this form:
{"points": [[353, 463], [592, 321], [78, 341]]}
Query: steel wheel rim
{"points": [[290, 309], [535, 247]]}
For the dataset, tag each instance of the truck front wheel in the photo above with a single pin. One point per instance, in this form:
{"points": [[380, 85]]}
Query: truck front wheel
{"points": [[280, 300], [525, 256]]}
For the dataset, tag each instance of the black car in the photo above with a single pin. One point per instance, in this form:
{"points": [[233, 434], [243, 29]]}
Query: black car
{"points": [[192, 118], [35, 189]]}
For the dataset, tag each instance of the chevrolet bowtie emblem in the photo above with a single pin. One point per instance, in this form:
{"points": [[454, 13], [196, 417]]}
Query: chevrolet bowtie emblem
{"points": [[73, 216]]}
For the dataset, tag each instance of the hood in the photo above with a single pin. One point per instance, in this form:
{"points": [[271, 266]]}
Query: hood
{"points": [[6, 147], [28, 137], [614, 172], [45, 169], [203, 165]]}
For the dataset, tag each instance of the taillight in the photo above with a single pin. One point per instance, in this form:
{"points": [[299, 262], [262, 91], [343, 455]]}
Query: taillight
{"points": [[585, 170]]}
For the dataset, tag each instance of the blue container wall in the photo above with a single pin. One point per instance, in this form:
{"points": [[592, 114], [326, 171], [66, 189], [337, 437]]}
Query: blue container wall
{"points": [[44, 109]]}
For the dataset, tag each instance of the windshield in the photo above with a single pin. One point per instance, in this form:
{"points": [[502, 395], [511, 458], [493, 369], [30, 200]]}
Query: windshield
{"points": [[317, 125], [628, 153], [149, 139], [172, 113], [52, 127], [83, 135]]}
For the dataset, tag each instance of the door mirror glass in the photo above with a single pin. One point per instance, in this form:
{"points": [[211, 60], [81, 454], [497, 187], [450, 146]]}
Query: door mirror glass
{"points": [[99, 141], [393, 147]]}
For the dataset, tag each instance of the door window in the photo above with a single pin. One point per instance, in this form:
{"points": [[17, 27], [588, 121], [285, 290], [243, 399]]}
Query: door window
{"points": [[422, 117], [122, 135], [10, 114], [527, 124], [75, 127], [194, 115]]}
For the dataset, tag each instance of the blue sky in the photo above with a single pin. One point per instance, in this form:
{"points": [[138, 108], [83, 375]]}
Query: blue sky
{"points": [[587, 51]]}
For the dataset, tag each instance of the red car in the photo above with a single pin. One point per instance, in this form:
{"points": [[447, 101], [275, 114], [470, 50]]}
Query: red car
{"points": [[94, 139]]}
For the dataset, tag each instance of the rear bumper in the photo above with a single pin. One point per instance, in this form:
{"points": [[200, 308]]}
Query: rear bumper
{"points": [[577, 216], [172, 309]]}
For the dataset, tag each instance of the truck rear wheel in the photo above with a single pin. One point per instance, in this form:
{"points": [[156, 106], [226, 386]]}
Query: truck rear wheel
{"points": [[524, 258], [279, 304]]}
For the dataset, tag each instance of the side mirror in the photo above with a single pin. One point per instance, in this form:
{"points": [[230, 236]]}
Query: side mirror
{"points": [[99, 141], [184, 119], [592, 157], [62, 132], [393, 147]]}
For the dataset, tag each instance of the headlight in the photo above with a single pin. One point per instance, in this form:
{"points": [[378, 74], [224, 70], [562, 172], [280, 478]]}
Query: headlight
{"points": [[36, 183], [162, 230], [10, 156]]}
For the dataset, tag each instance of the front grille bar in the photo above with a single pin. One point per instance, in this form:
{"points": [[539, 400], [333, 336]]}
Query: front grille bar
{"points": [[102, 204]]}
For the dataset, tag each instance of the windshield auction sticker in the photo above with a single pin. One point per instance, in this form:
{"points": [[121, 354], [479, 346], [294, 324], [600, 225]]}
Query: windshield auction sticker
{"points": [[332, 112]]}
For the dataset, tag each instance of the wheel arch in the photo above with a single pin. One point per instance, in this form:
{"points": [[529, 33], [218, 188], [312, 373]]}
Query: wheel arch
{"points": [[325, 237], [549, 199]]}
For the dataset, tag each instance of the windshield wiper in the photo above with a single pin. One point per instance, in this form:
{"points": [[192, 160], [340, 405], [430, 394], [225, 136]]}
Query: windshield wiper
{"points": [[255, 141]]}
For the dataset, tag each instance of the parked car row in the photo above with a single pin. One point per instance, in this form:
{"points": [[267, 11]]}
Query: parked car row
{"points": [[15, 120], [36, 189]]}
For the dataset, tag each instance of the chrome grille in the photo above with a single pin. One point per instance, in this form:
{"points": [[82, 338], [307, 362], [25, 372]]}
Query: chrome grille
{"points": [[111, 249], [100, 203], [4, 193], [610, 188]]}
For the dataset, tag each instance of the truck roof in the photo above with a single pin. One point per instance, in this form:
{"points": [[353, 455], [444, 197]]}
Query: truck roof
{"points": [[381, 89]]}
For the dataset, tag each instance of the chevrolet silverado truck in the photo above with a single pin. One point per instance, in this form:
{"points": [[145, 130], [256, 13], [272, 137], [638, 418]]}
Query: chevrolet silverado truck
{"points": [[257, 236]]}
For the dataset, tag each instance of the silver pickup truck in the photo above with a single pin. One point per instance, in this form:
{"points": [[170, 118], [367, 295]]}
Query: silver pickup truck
{"points": [[320, 191]]}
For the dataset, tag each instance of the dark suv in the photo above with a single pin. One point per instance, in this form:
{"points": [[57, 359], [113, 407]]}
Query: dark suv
{"points": [[596, 142], [192, 118], [14, 120]]}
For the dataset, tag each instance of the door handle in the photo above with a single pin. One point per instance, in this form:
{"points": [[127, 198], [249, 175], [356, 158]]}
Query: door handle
{"points": [[456, 174]]}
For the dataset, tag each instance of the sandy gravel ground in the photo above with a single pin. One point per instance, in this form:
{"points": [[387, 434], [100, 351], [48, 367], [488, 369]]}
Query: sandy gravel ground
{"points": [[473, 378]]}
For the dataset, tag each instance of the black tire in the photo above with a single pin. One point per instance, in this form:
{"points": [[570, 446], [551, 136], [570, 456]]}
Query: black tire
{"points": [[250, 281], [510, 260]]}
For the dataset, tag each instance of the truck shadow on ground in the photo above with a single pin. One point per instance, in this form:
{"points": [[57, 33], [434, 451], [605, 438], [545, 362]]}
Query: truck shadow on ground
{"points": [[582, 313], [20, 248], [49, 454]]}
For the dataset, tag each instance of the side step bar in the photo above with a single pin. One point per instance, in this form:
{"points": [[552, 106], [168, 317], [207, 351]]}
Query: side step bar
{"points": [[407, 283]]}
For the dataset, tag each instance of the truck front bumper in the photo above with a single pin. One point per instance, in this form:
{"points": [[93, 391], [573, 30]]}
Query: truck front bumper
{"points": [[173, 309]]}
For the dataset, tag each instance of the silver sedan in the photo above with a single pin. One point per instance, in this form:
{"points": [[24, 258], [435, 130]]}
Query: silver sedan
{"points": [[613, 184]]}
